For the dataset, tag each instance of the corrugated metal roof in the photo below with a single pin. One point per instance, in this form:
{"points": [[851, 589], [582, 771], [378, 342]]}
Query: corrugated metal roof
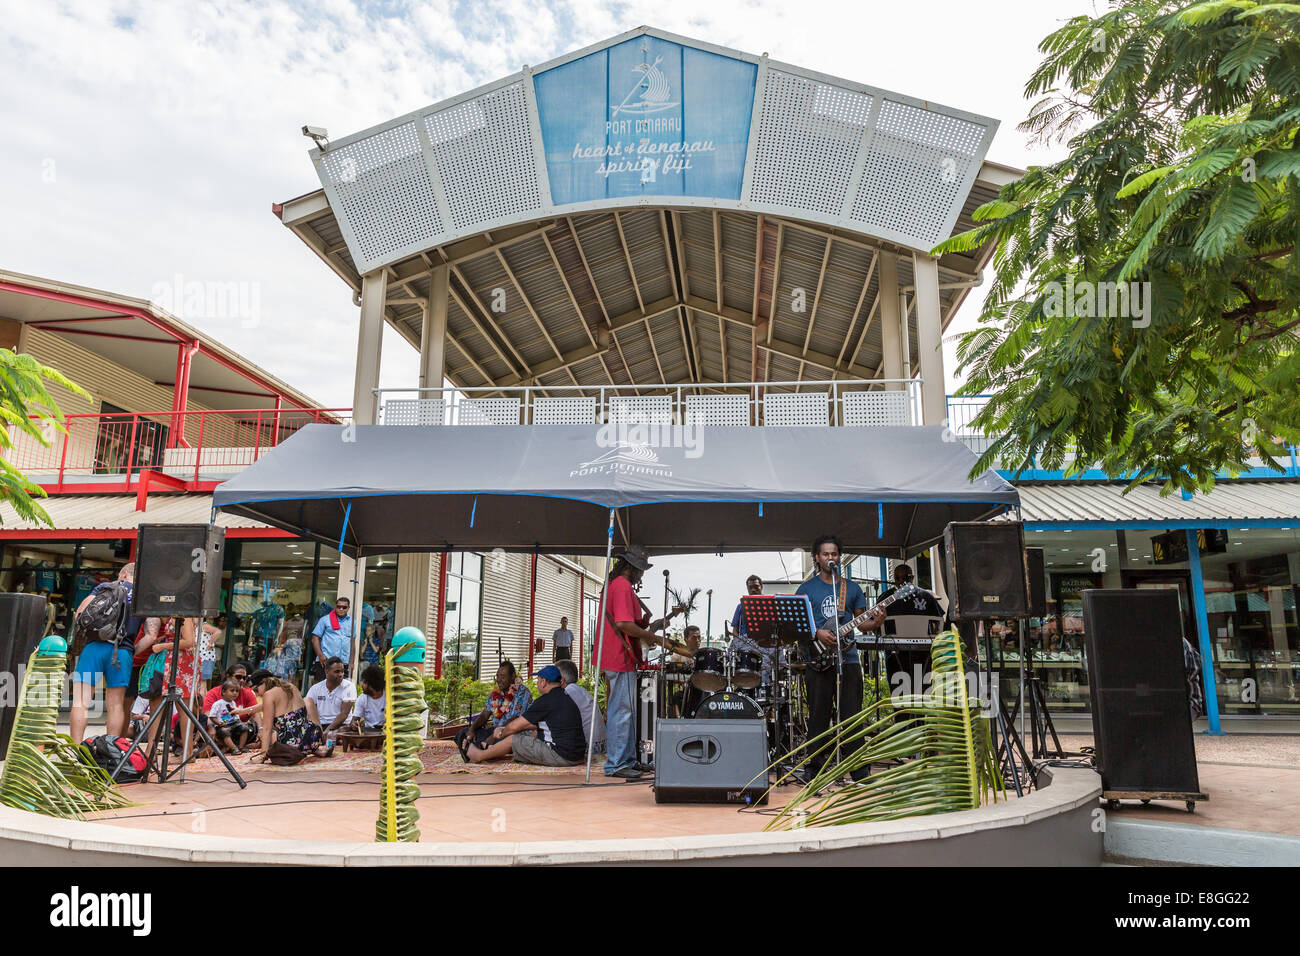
{"points": [[117, 512], [1229, 501]]}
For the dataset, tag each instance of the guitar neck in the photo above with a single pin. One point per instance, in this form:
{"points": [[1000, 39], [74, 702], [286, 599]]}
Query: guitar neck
{"points": [[902, 592]]}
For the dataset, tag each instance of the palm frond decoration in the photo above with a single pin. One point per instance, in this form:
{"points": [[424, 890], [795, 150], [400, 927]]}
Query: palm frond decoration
{"points": [[686, 600], [951, 765], [45, 771]]}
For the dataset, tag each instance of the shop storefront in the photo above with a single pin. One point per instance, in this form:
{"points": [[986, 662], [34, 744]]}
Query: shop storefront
{"points": [[1244, 578]]}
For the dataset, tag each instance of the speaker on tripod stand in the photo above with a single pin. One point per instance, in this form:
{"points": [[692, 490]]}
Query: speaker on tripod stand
{"points": [[177, 575]]}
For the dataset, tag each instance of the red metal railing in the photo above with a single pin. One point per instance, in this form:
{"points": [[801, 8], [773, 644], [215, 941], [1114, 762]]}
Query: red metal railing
{"points": [[189, 446]]}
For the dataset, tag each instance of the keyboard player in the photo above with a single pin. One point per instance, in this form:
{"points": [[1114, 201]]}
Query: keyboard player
{"points": [[906, 668]]}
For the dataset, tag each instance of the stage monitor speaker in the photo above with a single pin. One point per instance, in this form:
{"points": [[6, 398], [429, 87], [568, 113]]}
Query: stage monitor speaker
{"points": [[986, 569], [1141, 718], [178, 570], [1037, 582], [711, 761], [22, 622]]}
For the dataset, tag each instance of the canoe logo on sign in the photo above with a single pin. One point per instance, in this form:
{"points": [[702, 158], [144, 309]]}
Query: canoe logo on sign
{"points": [[650, 92], [625, 458]]}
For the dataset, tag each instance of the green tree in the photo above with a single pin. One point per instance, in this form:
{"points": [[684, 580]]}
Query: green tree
{"points": [[1183, 176], [26, 408]]}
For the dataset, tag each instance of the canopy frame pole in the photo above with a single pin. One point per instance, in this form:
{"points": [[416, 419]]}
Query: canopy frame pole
{"points": [[599, 637]]}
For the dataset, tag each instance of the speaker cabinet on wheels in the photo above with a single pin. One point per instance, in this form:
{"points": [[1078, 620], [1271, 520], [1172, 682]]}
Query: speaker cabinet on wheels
{"points": [[178, 570], [1141, 717], [986, 570]]}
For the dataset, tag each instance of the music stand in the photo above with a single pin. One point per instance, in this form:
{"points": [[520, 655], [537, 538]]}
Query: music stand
{"points": [[772, 620]]}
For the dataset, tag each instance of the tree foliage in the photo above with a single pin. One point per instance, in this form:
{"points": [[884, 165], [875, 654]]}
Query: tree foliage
{"points": [[1183, 176], [26, 408]]}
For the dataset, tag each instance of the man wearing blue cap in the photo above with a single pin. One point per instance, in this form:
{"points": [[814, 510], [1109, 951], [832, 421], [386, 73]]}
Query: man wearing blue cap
{"points": [[548, 733]]}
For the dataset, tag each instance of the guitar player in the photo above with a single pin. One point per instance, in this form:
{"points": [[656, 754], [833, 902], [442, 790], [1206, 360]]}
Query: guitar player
{"points": [[822, 588]]}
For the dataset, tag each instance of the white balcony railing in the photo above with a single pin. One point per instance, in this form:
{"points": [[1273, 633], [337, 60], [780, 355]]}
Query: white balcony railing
{"points": [[842, 402]]}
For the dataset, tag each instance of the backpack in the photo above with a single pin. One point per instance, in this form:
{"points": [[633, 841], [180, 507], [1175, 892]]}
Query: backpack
{"points": [[107, 751], [104, 618]]}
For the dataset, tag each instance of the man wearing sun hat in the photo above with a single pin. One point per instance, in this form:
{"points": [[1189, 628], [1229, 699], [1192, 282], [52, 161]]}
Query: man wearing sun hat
{"points": [[549, 733]]}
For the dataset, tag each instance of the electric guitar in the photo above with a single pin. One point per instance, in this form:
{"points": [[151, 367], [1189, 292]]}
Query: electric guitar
{"points": [[823, 658]]}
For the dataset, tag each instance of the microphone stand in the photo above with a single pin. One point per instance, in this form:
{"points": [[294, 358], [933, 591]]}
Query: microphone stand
{"points": [[839, 658]]}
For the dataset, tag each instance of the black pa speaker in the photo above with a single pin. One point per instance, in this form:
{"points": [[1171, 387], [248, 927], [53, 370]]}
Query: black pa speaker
{"points": [[986, 569], [711, 761], [22, 622], [1141, 717], [178, 570], [1037, 582]]}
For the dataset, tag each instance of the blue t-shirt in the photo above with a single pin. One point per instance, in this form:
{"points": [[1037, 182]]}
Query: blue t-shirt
{"points": [[824, 606], [335, 643]]}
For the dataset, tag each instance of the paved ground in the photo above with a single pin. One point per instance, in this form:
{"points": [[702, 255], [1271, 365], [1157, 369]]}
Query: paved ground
{"points": [[1252, 780], [454, 808]]}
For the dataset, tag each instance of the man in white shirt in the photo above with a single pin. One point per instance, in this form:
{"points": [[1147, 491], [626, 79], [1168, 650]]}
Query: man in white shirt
{"points": [[329, 701], [580, 696], [563, 639]]}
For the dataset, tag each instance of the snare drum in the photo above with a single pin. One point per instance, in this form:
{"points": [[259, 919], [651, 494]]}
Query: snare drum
{"points": [[710, 670], [746, 669], [676, 672]]}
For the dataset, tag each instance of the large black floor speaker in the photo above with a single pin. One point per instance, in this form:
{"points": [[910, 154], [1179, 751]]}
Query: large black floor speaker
{"points": [[178, 570], [711, 761], [1141, 723], [22, 621]]}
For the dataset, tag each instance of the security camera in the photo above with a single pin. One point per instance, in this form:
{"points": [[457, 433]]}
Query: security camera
{"points": [[316, 133]]}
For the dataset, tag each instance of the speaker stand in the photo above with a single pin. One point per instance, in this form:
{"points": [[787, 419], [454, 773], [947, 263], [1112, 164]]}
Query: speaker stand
{"points": [[1010, 741], [172, 703]]}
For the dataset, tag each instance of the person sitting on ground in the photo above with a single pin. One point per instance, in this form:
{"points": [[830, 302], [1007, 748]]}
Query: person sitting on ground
{"points": [[548, 734], [368, 714], [581, 697], [509, 698], [329, 701], [139, 716], [247, 707], [285, 719], [230, 732]]}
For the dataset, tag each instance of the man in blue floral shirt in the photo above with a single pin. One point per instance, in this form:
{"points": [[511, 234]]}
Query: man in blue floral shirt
{"points": [[508, 700]]}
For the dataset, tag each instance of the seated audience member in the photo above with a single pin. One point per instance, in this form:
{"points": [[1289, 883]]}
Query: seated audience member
{"points": [[329, 701], [549, 733], [139, 717], [509, 698], [368, 714], [580, 696], [247, 708], [229, 731], [285, 717]]}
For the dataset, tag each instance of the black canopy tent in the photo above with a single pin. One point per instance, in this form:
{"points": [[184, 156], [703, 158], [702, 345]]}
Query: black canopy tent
{"points": [[569, 488], [384, 489]]}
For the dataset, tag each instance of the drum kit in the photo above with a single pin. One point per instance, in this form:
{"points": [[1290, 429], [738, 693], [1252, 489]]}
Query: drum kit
{"points": [[737, 682]]}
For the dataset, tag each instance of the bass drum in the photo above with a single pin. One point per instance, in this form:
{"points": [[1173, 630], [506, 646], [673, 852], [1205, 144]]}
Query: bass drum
{"points": [[728, 705], [710, 672], [746, 669]]}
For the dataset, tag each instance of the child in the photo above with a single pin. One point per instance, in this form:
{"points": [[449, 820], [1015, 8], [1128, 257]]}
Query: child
{"points": [[139, 717], [224, 721], [368, 714]]}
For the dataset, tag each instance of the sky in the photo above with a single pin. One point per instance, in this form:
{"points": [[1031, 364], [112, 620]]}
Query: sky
{"points": [[143, 142]]}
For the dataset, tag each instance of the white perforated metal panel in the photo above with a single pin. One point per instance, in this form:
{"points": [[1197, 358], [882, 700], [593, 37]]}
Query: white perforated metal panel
{"points": [[717, 410], [641, 409], [808, 135], [796, 408], [916, 170], [876, 409], [385, 191], [413, 411], [488, 411], [564, 411], [484, 151]]}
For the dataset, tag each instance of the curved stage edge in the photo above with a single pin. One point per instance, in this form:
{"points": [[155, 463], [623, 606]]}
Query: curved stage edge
{"points": [[1054, 826]]}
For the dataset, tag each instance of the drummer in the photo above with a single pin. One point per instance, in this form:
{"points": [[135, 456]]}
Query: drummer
{"points": [[741, 642]]}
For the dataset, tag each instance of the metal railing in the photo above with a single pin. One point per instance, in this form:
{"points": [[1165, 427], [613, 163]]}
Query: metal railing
{"points": [[190, 445], [842, 402]]}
